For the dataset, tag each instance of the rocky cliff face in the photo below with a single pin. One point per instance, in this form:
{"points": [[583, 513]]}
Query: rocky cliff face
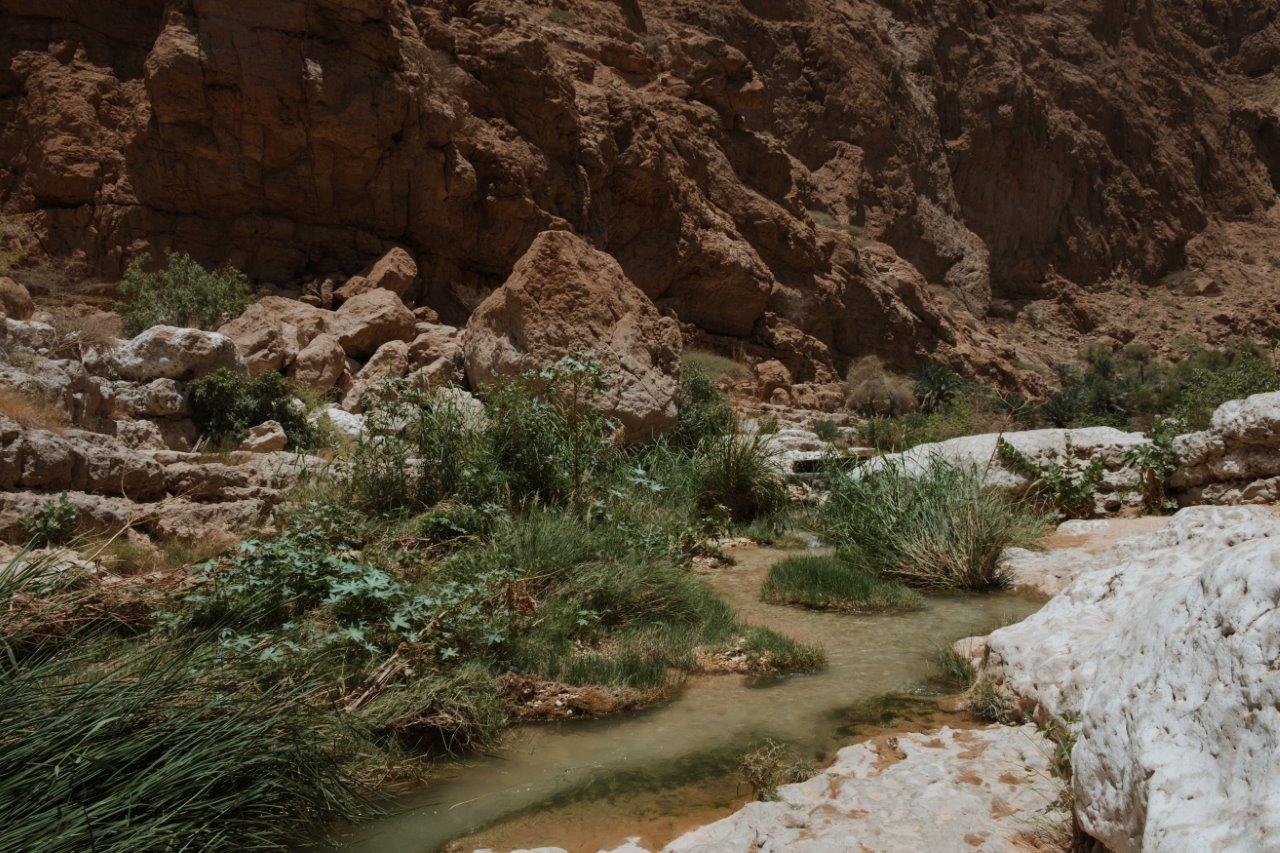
{"points": [[979, 181]]}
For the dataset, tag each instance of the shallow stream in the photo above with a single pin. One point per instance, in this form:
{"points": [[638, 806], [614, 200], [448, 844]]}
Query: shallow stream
{"points": [[583, 785]]}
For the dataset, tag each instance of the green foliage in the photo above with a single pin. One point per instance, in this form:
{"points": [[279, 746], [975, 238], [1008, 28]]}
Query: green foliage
{"points": [[52, 524], [953, 669], [826, 429], [769, 652], [737, 477], [938, 528], [770, 766], [225, 405], [418, 448], [704, 411], [1132, 389], [1070, 488], [977, 411], [182, 294], [545, 436], [937, 386], [114, 747], [1155, 463], [828, 583]]}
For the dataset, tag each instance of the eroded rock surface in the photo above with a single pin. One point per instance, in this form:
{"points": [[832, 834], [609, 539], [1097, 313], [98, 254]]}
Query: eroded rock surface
{"points": [[985, 789], [1163, 650], [565, 297]]}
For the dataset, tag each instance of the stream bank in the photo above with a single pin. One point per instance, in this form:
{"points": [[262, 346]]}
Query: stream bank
{"points": [[657, 772]]}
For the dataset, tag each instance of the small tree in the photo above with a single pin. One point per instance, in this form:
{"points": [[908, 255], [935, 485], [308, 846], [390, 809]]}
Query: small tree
{"points": [[182, 294]]}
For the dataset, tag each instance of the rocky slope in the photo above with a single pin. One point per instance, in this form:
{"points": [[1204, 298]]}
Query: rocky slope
{"points": [[986, 182]]}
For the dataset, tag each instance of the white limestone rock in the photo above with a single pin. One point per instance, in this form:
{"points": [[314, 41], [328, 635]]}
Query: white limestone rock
{"points": [[980, 789], [167, 352], [1165, 649]]}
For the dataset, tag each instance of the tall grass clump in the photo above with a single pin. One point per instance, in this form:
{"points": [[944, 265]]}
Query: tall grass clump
{"points": [[828, 583], [115, 747], [182, 294], [704, 410], [737, 476], [872, 389], [939, 528]]}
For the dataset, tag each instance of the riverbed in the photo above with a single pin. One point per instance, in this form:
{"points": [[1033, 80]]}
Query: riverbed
{"points": [[583, 785]]}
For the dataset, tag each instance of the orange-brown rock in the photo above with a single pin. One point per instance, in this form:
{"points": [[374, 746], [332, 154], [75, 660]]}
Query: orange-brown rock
{"points": [[565, 297], [395, 271], [819, 181], [15, 301], [368, 320]]}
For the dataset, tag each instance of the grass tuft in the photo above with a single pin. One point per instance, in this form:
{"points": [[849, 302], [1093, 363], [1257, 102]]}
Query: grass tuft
{"points": [[828, 583], [939, 529]]}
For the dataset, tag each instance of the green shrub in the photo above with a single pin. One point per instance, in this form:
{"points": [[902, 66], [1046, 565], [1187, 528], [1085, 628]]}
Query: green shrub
{"points": [[937, 386], [419, 447], [52, 524], [940, 528], [1155, 462], [1214, 378], [545, 435], [182, 294], [225, 405], [828, 583], [704, 411], [1070, 489], [737, 476], [826, 429], [770, 766]]}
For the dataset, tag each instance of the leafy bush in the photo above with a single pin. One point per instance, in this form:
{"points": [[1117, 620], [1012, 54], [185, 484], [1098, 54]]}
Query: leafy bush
{"points": [[52, 524], [1155, 462], [182, 294], [827, 583], [770, 766], [736, 476], [873, 390], [418, 448], [545, 435], [225, 405], [704, 411], [940, 528], [1070, 489], [937, 386], [826, 429], [1131, 389]]}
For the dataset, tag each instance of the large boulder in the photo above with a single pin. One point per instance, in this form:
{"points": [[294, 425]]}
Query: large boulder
{"points": [[1237, 459], [395, 271], [1164, 649], [320, 364], [369, 320], [15, 301], [564, 296], [271, 331], [167, 352]]}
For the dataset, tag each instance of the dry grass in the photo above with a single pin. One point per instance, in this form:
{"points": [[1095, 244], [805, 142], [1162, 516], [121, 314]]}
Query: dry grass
{"points": [[714, 365], [873, 390], [30, 411], [87, 325]]}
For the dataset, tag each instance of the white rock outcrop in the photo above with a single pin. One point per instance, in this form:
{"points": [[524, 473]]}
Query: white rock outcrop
{"points": [[166, 352], [1042, 446], [1165, 649], [1237, 459], [987, 789]]}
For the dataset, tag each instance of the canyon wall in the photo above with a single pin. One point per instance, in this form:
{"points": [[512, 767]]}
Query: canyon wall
{"points": [[981, 182]]}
